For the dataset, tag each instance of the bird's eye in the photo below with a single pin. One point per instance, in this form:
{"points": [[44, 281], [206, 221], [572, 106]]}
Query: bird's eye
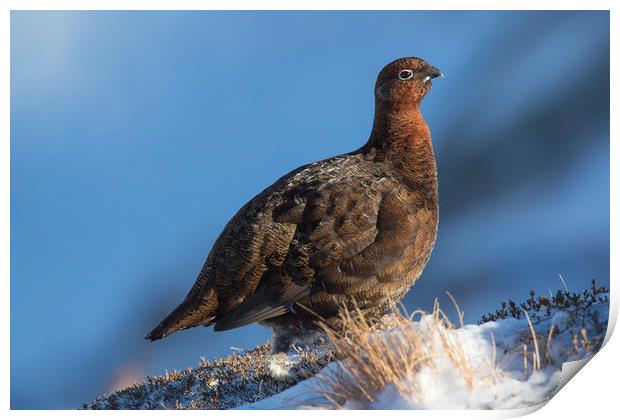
{"points": [[405, 74]]}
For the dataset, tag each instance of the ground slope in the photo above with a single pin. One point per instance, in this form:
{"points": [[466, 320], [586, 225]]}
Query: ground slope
{"points": [[511, 359]]}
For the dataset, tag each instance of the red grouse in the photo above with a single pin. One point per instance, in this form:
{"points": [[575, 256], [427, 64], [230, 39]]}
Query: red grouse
{"points": [[355, 228]]}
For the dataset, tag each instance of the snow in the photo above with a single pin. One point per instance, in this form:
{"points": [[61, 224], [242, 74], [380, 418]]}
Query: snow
{"points": [[501, 376]]}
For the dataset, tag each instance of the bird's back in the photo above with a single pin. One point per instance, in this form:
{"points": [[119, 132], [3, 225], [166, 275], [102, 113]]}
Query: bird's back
{"points": [[342, 229]]}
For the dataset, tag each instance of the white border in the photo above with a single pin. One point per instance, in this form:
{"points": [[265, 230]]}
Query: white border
{"points": [[592, 395]]}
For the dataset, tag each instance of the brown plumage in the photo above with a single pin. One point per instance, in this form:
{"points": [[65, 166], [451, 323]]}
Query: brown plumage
{"points": [[358, 227]]}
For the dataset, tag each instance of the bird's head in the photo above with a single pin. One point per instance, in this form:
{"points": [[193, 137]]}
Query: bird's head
{"points": [[404, 82]]}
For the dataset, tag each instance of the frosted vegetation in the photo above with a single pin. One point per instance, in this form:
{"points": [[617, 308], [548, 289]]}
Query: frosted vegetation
{"points": [[511, 359]]}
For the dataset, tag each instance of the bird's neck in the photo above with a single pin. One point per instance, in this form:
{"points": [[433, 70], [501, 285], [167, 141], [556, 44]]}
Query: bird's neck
{"points": [[400, 136], [397, 126]]}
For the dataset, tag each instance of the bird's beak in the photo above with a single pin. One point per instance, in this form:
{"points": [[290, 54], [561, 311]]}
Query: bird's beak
{"points": [[433, 72]]}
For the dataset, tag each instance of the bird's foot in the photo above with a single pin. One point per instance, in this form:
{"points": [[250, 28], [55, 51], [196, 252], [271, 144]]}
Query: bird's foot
{"points": [[279, 365]]}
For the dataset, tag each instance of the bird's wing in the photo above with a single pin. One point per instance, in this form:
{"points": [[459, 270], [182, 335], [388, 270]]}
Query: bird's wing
{"points": [[329, 221], [262, 305], [352, 230], [364, 238]]}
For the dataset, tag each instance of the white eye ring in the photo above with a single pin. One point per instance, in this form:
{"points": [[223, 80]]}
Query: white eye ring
{"points": [[405, 74]]}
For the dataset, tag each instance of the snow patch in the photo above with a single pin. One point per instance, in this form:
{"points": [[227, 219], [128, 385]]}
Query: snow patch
{"points": [[501, 357]]}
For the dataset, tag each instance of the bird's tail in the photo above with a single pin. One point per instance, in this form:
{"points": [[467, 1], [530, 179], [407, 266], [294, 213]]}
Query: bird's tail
{"points": [[192, 312]]}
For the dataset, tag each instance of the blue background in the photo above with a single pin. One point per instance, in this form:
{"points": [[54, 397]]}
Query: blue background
{"points": [[135, 136]]}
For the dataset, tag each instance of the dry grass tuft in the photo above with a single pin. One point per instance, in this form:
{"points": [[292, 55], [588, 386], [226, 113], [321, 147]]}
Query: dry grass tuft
{"points": [[403, 356], [370, 362]]}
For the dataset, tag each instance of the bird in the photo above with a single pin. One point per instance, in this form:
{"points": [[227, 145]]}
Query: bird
{"points": [[354, 229]]}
